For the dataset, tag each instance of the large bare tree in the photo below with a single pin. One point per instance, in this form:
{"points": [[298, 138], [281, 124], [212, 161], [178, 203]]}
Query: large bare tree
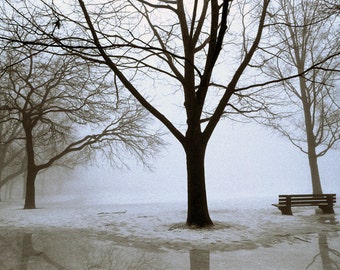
{"points": [[180, 43], [64, 105], [194, 54], [306, 110]]}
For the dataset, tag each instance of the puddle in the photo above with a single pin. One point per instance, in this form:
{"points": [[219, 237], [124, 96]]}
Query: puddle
{"points": [[74, 250]]}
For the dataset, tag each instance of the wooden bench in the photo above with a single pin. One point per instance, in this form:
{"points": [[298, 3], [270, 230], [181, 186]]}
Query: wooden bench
{"points": [[323, 201]]}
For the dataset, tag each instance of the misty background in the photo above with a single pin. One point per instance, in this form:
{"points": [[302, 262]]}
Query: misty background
{"points": [[243, 160]]}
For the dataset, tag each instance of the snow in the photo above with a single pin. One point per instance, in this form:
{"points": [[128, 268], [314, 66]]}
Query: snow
{"points": [[248, 234]]}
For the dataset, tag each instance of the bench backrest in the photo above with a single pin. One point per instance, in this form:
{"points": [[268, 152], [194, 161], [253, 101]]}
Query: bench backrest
{"points": [[307, 199]]}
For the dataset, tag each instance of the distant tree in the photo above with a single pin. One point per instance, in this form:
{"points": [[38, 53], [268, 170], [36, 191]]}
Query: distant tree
{"points": [[197, 55], [305, 110], [64, 106], [12, 152]]}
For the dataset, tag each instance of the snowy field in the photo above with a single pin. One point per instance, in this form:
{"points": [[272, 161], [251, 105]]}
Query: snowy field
{"points": [[87, 235]]}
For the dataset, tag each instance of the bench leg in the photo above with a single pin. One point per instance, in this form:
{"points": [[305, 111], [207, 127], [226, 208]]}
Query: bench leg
{"points": [[286, 210], [327, 209]]}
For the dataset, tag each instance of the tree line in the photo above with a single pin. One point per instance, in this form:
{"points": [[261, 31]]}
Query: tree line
{"points": [[113, 66]]}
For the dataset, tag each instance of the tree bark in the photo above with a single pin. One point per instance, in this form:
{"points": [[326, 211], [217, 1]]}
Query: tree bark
{"points": [[314, 171], [198, 214], [30, 189], [32, 170], [312, 157]]}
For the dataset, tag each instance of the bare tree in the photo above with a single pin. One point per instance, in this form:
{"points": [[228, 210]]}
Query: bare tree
{"points": [[64, 106], [185, 41], [196, 53], [308, 114], [12, 151]]}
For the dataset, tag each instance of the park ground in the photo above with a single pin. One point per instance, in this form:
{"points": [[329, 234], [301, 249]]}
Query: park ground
{"points": [[248, 234]]}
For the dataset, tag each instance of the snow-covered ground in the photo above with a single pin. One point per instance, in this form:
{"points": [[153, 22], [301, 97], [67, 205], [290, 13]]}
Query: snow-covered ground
{"points": [[249, 234]]}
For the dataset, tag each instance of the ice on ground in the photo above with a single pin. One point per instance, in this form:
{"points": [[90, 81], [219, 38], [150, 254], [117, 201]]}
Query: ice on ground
{"points": [[161, 225], [252, 233]]}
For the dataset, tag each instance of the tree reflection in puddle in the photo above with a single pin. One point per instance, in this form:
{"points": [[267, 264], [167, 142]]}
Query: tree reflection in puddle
{"points": [[79, 250], [330, 258], [199, 259], [26, 251]]}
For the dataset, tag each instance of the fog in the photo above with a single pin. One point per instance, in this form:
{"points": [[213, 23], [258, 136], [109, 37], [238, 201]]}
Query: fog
{"points": [[243, 160]]}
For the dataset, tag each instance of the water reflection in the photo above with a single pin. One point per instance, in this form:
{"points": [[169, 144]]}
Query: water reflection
{"points": [[80, 250], [328, 219], [26, 251], [199, 259], [329, 257]]}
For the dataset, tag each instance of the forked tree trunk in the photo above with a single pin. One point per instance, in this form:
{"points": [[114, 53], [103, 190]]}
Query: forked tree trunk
{"points": [[198, 214]]}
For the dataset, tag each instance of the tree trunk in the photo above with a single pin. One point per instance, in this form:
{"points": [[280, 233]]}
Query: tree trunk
{"points": [[30, 189], [314, 171], [311, 144], [24, 178], [2, 163], [32, 170], [198, 214], [312, 157]]}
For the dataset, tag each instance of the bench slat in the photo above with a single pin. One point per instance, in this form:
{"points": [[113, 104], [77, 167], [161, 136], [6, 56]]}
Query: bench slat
{"points": [[300, 204], [306, 199], [305, 202], [307, 195]]}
